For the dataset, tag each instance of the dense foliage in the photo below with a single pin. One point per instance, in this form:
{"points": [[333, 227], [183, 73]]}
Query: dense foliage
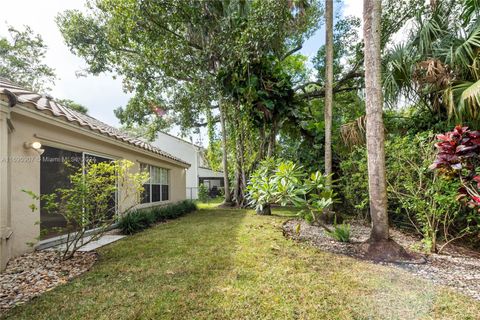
{"points": [[418, 198], [140, 219], [202, 192], [21, 60], [286, 183]]}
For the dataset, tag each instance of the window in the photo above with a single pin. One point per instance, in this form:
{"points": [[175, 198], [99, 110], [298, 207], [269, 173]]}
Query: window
{"points": [[91, 158], [157, 187], [56, 166]]}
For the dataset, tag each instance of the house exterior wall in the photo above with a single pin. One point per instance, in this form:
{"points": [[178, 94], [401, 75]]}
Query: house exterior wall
{"points": [[28, 126], [190, 153], [185, 151], [209, 173]]}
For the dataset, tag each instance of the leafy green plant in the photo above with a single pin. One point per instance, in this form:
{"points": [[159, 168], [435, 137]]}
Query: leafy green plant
{"points": [[340, 232], [417, 197], [203, 193], [261, 187], [286, 183], [135, 221], [138, 220]]}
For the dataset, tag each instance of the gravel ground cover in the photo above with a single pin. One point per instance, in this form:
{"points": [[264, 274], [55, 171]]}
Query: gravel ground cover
{"points": [[456, 267], [34, 273]]}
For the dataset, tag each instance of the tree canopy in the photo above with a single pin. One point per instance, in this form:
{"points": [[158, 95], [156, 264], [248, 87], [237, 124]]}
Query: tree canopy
{"points": [[21, 60]]}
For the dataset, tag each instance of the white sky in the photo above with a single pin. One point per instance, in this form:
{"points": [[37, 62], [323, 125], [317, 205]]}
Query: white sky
{"points": [[102, 94]]}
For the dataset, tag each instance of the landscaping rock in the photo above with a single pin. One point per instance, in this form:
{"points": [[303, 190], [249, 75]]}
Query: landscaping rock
{"points": [[456, 267], [34, 273]]}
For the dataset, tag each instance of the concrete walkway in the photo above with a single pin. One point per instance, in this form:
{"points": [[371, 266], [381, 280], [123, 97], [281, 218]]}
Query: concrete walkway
{"points": [[102, 241]]}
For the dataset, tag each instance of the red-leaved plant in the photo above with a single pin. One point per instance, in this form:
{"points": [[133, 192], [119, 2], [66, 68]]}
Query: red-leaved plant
{"points": [[459, 156]]}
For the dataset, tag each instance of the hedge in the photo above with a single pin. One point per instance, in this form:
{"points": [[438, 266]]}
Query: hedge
{"points": [[138, 220]]}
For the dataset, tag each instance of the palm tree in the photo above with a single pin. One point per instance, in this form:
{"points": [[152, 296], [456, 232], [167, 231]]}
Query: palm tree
{"points": [[379, 246], [328, 87], [375, 129], [439, 66]]}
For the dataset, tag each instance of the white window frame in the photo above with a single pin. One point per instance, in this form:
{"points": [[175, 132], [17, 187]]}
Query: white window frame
{"points": [[150, 167]]}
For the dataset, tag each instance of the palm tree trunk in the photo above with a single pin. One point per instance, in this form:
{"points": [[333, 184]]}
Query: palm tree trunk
{"points": [[375, 129], [226, 180], [328, 87]]}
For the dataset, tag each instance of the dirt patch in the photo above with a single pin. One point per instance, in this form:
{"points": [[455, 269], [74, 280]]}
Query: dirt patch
{"points": [[34, 273], [456, 267]]}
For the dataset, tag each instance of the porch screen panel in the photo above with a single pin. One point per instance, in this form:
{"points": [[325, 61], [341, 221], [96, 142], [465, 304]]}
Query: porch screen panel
{"points": [[112, 203], [56, 166]]}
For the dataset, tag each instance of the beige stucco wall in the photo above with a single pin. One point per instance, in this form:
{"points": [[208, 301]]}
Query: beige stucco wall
{"points": [[29, 126]]}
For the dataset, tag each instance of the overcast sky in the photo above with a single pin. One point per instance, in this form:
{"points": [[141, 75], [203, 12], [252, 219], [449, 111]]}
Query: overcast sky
{"points": [[102, 94]]}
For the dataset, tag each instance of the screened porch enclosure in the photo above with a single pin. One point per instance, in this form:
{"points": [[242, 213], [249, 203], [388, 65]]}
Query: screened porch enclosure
{"points": [[55, 169]]}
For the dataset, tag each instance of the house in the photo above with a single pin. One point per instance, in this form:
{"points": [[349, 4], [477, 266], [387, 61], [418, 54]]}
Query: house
{"points": [[199, 172], [37, 137]]}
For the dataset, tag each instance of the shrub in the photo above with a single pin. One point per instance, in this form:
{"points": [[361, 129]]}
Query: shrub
{"points": [[138, 220], [133, 222], [340, 232], [416, 196], [286, 183], [353, 184], [261, 186], [203, 193]]}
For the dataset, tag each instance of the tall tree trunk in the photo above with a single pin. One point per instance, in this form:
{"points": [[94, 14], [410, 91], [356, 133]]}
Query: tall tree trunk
{"points": [[375, 129], [272, 139], [239, 185], [226, 180], [328, 87], [263, 143]]}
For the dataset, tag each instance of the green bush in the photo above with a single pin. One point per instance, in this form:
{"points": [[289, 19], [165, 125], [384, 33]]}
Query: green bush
{"points": [[353, 184], [138, 220], [340, 232], [203, 193], [416, 196]]}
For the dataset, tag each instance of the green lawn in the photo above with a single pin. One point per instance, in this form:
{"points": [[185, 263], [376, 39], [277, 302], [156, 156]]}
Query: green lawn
{"points": [[231, 264]]}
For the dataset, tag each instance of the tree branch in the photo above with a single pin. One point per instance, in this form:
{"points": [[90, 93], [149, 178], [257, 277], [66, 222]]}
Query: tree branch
{"points": [[321, 93], [289, 53]]}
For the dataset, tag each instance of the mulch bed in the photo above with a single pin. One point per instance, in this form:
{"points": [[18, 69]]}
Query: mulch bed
{"points": [[456, 267], [34, 273]]}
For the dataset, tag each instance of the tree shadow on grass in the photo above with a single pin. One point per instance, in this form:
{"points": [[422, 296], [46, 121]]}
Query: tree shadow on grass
{"points": [[166, 272], [233, 264]]}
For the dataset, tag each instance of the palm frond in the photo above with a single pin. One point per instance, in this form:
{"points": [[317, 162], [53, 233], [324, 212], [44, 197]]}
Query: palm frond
{"points": [[469, 47], [470, 99], [353, 132], [463, 100], [470, 12]]}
